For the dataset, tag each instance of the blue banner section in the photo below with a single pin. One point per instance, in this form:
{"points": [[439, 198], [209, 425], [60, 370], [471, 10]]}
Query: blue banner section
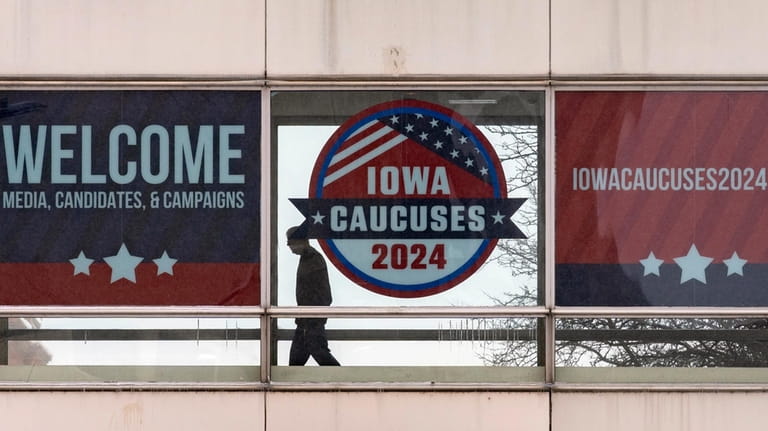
{"points": [[158, 171], [629, 285], [408, 218]]}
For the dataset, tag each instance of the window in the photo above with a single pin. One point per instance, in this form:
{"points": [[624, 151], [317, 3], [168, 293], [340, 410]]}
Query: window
{"points": [[512, 122], [658, 194], [361, 172], [100, 349]]}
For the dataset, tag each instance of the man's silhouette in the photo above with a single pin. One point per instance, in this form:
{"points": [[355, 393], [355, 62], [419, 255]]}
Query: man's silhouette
{"points": [[312, 288]]}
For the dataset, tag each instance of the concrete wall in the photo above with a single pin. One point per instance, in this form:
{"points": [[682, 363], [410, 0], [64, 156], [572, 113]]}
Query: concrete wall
{"points": [[93, 38], [474, 39], [241, 411], [407, 411], [400, 38], [651, 38], [662, 411], [131, 411], [375, 411]]}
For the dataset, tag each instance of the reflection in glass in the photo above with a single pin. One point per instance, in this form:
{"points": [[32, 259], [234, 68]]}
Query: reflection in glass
{"points": [[27, 352], [656, 342], [508, 342], [132, 341]]}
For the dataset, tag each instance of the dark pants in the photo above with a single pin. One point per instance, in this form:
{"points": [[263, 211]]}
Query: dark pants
{"points": [[310, 339]]}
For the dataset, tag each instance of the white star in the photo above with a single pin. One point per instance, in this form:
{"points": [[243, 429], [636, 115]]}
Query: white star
{"points": [[438, 145], [423, 136], [123, 265], [693, 265], [434, 122], [409, 128], [418, 115], [448, 131], [165, 264], [469, 162], [498, 217], [82, 264], [318, 218], [484, 170], [454, 154], [463, 140], [651, 264], [394, 119], [735, 264]]}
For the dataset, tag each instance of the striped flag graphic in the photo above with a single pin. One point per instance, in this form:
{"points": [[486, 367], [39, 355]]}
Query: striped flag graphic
{"points": [[370, 141]]}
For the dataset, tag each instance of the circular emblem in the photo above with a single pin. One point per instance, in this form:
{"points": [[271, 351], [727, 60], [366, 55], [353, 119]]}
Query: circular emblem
{"points": [[408, 199]]}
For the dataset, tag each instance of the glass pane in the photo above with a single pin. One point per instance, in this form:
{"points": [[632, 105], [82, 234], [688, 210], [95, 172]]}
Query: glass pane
{"points": [[421, 349], [727, 350], [129, 349], [130, 197], [400, 223], [658, 197]]}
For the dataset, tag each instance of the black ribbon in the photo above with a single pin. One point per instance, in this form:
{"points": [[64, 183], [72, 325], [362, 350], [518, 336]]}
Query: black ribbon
{"points": [[495, 218]]}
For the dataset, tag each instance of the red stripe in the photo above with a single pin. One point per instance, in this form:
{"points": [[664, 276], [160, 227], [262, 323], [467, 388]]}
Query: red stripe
{"points": [[363, 151], [191, 284], [352, 140]]}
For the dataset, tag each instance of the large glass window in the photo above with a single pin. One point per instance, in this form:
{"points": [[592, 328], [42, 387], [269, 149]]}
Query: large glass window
{"points": [[459, 349], [412, 197], [659, 200], [660, 197], [94, 349], [711, 350], [130, 197], [407, 198]]}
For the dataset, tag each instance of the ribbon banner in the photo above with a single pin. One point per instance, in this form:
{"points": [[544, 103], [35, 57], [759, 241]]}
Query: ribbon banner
{"points": [[408, 218]]}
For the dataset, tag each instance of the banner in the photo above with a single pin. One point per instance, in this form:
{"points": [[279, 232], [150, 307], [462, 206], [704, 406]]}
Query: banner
{"points": [[129, 197], [661, 198], [408, 199]]}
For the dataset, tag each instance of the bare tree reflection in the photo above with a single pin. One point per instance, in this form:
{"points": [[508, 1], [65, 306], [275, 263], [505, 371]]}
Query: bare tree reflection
{"points": [[26, 352]]}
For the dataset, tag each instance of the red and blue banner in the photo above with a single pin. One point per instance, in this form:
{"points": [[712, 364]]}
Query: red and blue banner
{"points": [[129, 197], [661, 198]]}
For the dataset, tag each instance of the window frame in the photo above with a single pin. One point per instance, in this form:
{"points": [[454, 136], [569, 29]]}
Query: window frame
{"points": [[548, 312]]}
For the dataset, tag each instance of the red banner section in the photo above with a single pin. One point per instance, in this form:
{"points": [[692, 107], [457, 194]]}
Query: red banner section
{"points": [[660, 197], [190, 284]]}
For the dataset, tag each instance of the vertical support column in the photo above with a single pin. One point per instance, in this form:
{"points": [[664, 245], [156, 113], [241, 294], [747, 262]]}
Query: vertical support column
{"points": [[4, 341], [549, 235], [541, 235], [267, 230], [271, 147]]}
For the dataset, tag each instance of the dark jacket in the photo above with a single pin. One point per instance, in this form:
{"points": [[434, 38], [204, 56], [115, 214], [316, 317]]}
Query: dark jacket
{"points": [[312, 285]]}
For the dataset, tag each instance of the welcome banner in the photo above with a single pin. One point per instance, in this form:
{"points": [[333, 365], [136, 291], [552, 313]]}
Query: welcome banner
{"points": [[129, 197]]}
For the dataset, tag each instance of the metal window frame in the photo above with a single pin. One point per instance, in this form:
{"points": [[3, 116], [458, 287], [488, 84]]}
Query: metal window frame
{"points": [[549, 312]]}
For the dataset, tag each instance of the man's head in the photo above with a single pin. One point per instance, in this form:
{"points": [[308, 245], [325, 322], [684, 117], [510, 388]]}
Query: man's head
{"points": [[297, 245]]}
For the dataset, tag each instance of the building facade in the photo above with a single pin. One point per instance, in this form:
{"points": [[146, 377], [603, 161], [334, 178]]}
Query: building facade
{"points": [[623, 140]]}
